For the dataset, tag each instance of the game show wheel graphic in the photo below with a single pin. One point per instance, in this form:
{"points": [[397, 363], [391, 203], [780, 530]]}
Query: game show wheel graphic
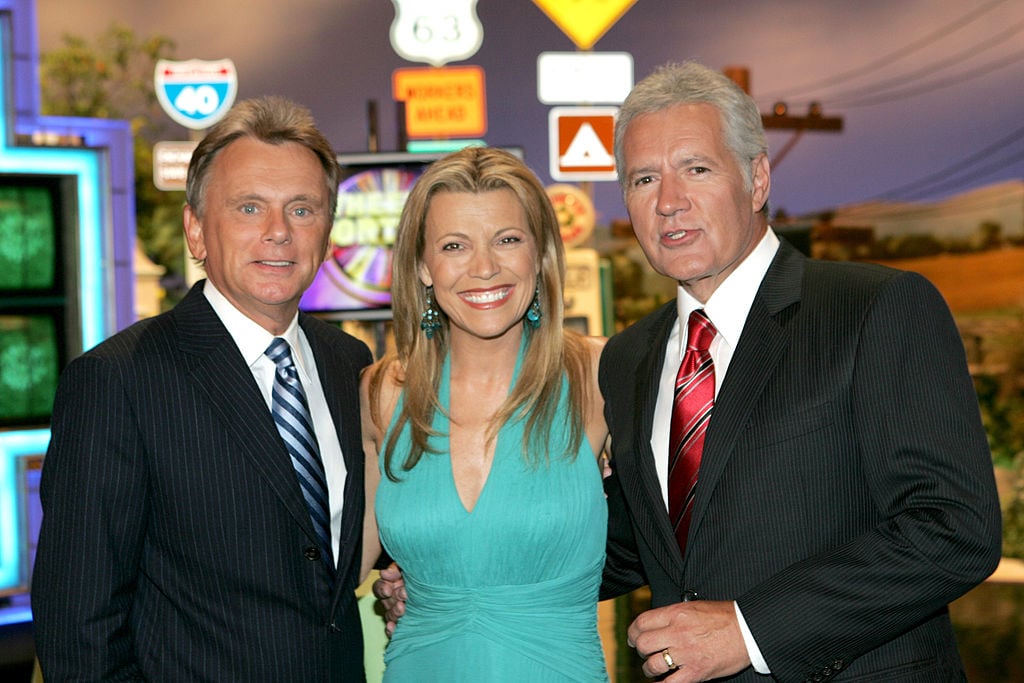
{"points": [[362, 271], [361, 266]]}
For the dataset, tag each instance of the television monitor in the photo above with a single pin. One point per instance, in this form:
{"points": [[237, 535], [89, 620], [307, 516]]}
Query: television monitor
{"points": [[355, 280], [38, 295], [31, 235], [31, 357]]}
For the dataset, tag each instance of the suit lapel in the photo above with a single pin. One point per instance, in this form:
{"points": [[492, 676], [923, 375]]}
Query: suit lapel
{"points": [[219, 372], [761, 346], [333, 369], [649, 505]]}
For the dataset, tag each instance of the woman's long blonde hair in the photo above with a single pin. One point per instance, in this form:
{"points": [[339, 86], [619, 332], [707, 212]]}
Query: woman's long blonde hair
{"points": [[551, 351]]}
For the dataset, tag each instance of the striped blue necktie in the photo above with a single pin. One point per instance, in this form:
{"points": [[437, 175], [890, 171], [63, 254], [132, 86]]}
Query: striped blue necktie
{"points": [[291, 414]]}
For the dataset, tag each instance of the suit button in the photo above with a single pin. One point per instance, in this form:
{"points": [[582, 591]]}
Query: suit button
{"points": [[312, 553], [689, 596], [838, 664]]}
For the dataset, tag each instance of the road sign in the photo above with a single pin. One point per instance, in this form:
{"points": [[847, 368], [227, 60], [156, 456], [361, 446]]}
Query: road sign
{"points": [[436, 31], [575, 211], [581, 143], [584, 77], [442, 103], [584, 21], [170, 164], [196, 93]]}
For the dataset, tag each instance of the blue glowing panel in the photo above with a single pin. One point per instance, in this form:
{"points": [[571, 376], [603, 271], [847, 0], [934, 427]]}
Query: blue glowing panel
{"points": [[20, 455], [84, 166]]}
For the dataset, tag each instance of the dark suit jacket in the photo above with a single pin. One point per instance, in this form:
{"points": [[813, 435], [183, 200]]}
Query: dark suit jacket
{"points": [[846, 492], [175, 542]]}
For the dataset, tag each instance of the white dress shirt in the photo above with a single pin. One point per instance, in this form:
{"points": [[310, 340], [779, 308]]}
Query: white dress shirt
{"points": [[252, 341], [727, 309]]}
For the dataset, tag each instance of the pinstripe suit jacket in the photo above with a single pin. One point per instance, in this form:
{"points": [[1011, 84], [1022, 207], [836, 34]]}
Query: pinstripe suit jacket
{"points": [[846, 492], [175, 543]]}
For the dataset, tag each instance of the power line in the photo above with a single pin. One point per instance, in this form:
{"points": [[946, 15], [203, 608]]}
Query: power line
{"points": [[938, 84], [863, 93], [888, 59], [981, 172], [960, 167]]}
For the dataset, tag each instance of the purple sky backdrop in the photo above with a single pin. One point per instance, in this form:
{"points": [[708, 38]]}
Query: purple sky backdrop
{"points": [[929, 90]]}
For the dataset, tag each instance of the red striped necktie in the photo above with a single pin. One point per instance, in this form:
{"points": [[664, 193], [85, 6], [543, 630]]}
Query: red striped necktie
{"points": [[691, 410]]}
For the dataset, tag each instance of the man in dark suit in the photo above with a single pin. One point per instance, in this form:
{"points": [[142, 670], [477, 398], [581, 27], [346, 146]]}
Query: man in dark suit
{"points": [[177, 543], [844, 491]]}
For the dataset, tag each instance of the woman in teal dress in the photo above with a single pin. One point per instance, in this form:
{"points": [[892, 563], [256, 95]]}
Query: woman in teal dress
{"points": [[487, 425]]}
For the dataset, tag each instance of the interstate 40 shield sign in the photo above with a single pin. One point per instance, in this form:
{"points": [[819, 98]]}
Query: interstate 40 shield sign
{"points": [[196, 93]]}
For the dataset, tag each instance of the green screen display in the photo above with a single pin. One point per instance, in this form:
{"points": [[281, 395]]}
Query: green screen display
{"points": [[29, 367], [28, 237]]}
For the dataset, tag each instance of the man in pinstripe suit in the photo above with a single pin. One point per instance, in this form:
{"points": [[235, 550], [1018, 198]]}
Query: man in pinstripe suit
{"points": [[845, 492], [176, 544]]}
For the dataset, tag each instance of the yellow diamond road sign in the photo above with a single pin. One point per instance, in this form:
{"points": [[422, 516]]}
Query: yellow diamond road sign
{"points": [[584, 21]]}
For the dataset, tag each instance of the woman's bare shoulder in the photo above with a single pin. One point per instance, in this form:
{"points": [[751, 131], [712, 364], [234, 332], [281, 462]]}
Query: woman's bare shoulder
{"points": [[380, 386], [387, 370], [595, 345], [597, 429]]}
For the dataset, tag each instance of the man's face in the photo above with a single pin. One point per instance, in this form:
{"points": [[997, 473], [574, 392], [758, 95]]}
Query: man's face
{"points": [[686, 196], [265, 227]]}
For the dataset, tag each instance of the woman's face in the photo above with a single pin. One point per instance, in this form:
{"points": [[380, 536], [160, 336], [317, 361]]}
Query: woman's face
{"points": [[480, 257]]}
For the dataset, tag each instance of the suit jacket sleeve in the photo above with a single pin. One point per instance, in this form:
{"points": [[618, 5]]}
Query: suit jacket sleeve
{"points": [[86, 565], [622, 566], [925, 461]]}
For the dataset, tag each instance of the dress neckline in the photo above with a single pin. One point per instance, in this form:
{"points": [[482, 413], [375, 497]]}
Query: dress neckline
{"points": [[514, 425]]}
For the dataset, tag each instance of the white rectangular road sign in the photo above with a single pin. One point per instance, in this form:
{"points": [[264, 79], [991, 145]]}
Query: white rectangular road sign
{"points": [[170, 164], [584, 77]]}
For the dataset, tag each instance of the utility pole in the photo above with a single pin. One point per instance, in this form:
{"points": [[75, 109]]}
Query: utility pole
{"points": [[780, 117]]}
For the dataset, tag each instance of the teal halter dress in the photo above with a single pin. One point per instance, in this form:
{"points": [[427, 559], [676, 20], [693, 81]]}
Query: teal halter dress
{"points": [[507, 592]]}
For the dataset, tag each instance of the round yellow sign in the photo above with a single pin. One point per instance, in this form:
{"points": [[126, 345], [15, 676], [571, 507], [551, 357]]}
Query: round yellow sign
{"points": [[575, 211]]}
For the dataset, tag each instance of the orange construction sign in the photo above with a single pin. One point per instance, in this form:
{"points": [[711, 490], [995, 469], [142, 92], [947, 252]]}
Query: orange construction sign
{"points": [[447, 102]]}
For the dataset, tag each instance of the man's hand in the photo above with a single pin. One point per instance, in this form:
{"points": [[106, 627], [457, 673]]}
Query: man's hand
{"points": [[690, 641], [390, 590]]}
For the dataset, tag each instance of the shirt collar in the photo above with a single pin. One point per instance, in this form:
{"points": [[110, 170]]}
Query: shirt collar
{"points": [[250, 337], [728, 306]]}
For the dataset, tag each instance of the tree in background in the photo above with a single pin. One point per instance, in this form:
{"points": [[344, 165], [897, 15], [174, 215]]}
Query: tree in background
{"points": [[1001, 398], [113, 79]]}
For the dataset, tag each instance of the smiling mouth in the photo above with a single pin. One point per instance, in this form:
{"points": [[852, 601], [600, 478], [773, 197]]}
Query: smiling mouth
{"points": [[276, 264], [677, 234], [488, 297]]}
